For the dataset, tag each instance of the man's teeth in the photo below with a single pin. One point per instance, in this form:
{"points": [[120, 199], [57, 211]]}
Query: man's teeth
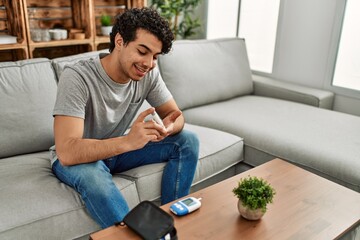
{"points": [[141, 69]]}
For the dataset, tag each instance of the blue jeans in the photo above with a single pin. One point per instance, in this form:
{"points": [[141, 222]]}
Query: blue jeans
{"points": [[104, 201]]}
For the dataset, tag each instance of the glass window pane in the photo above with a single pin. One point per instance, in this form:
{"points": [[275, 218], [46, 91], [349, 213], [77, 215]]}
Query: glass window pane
{"points": [[347, 69], [258, 25], [222, 18]]}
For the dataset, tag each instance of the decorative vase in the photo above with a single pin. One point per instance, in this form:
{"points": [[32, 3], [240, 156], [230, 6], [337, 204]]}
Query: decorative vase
{"points": [[106, 30], [248, 213]]}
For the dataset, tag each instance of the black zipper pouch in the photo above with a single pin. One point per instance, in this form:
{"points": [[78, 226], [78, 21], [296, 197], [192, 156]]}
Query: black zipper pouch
{"points": [[150, 222]]}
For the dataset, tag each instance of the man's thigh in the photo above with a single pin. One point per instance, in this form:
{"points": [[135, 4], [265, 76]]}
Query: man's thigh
{"points": [[71, 175], [153, 152]]}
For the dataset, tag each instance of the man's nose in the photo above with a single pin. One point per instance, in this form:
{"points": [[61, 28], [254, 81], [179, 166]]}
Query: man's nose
{"points": [[150, 63]]}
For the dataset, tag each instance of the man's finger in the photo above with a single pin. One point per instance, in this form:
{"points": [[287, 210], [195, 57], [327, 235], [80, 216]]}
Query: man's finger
{"points": [[143, 115]]}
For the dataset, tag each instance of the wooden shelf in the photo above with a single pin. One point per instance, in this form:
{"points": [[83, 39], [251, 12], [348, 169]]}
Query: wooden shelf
{"points": [[101, 41], [13, 46], [59, 43], [19, 18], [105, 7], [64, 14], [12, 23], [112, 8]]}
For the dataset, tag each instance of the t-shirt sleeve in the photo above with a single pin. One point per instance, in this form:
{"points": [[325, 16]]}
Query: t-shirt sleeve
{"points": [[159, 93], [72, 95]]}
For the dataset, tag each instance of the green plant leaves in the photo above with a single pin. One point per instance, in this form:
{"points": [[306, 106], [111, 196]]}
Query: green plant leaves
{"points": [[254, 192], [178, 13], [106, 20]]}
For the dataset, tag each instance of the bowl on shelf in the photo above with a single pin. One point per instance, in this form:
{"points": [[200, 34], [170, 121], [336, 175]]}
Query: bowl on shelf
{"points": [[76, 33], [40, 35], [58, 34]]}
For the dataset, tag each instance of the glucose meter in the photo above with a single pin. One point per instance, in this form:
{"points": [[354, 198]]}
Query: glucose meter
{"points": [[185, 206]]}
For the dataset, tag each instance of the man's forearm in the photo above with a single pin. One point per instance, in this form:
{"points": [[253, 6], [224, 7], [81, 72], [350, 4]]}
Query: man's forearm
{"points": [[77, 151], [178, 124]]}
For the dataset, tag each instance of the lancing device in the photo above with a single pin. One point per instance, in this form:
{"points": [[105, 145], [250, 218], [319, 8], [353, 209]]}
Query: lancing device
{"points": [[157, 119]]}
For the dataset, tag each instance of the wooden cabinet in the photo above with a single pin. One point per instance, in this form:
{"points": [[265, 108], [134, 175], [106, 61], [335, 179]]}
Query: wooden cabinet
{"points": [[106, 7], [33, 21], [43, 15], [12, 24]]}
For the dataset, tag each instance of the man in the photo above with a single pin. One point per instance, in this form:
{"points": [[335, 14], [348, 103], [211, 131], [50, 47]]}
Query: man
{"points": [[96, 101]]}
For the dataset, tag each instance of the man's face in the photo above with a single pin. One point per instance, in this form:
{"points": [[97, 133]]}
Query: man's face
{"points": [[139, 57]]}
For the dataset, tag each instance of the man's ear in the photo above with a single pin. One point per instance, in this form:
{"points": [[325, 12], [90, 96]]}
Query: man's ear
{"points": [[118, 40]]}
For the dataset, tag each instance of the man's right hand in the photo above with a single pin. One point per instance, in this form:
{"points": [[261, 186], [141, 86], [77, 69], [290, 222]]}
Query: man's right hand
{"points": [[143, 132]]}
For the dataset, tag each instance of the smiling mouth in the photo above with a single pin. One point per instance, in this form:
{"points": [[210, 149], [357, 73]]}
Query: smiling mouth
{"points": [[140, 69]]}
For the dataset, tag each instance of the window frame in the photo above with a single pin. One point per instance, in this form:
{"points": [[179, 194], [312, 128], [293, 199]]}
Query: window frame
{"points": [[276, 40]]}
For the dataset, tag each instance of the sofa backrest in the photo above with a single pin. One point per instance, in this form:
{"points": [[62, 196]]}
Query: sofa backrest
{"points": [[60, 63], [27, 97], [199, 72]]}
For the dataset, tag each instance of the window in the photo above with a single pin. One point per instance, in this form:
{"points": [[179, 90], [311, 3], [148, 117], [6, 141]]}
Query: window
{"points": [[347, 68], [258, 25], [222, 18]]}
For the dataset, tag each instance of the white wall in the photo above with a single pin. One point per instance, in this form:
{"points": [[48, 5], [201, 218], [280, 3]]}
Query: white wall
{"points": [[304, 37]]}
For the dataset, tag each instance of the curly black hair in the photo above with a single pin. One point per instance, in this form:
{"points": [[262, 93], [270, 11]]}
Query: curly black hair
{"points": [[128, 22]]}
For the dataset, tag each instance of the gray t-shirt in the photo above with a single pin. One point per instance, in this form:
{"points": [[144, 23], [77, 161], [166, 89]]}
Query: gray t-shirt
{"points": [[107, 107]]}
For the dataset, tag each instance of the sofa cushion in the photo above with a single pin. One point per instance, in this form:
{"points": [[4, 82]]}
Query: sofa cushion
{"points": [[27, 97], [33, 199], [218, 152], [60, 63], [206, 71], [320, 140]]}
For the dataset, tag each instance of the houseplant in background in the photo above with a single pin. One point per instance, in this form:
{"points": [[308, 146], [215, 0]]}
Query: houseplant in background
{"points": [[254, 194], [179, 14], [106, 25]]}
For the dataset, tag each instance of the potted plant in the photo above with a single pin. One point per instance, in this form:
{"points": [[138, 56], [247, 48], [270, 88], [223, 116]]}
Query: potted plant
{"points": [[254, 194], [179, 13], [106, 25]]}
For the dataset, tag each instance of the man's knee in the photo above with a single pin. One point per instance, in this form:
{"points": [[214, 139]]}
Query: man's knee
{"points": [[97, 172], [191, 140]]}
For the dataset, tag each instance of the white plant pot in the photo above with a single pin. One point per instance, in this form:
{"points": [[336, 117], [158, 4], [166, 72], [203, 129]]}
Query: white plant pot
{"points": [[106, 30], [249, 214]]}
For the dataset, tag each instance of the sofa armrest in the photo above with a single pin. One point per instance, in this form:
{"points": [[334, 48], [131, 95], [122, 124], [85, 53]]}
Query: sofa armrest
{"points": [[269, 87]]}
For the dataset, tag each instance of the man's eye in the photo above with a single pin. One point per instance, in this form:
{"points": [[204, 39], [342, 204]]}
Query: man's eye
{"points": [[142, 53]]}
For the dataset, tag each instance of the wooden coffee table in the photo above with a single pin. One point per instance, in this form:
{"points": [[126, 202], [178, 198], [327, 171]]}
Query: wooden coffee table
{"points": [[305, 206]]}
